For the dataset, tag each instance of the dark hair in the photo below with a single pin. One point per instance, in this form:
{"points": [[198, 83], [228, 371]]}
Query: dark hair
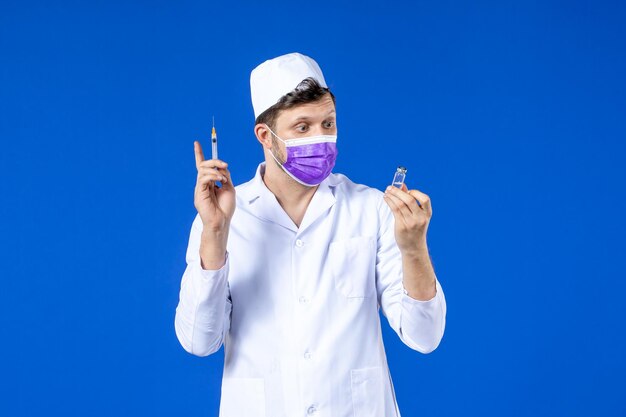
{"points": [[308, 91]]}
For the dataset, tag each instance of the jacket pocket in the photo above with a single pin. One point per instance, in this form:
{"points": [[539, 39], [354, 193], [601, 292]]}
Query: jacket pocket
{"points": [[352, 262], [242, 397], [367, 391]]}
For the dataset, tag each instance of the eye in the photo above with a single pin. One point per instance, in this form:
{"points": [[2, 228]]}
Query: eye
{"points": [[329, 123], [302, 128]]}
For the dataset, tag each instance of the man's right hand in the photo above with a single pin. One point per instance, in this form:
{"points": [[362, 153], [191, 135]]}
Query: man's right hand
{"points": [[215, 205]]}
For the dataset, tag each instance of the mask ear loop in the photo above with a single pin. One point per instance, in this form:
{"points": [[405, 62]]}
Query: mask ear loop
{"points": [[277, 137], [282, 166], [272, 153]]}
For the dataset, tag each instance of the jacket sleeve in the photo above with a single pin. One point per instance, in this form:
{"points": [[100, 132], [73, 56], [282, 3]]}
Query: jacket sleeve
{"points": [[419, 324], [203, 312]]}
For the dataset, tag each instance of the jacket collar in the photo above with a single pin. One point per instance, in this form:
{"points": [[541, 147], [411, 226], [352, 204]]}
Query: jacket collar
{"points": [[262, 203]]}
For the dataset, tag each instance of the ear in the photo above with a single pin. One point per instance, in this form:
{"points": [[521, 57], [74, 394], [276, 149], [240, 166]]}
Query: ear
{"points": [[263, 135]]}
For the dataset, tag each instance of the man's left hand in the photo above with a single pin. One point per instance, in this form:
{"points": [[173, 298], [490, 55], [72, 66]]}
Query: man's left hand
{"points": [[412, 212]]}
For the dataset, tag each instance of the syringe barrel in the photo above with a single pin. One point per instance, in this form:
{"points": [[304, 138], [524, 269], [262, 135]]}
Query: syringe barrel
{"points": [[214, 148]]}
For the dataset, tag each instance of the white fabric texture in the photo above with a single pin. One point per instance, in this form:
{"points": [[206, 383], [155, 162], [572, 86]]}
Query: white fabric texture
{"points": [[297, 309], [278, 76]]}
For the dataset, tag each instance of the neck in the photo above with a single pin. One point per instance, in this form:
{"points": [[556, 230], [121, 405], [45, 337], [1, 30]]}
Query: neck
{"points": [[292, 196]]}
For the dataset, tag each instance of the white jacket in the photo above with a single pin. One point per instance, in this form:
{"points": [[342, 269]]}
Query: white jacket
{"points": [[297, 308]]}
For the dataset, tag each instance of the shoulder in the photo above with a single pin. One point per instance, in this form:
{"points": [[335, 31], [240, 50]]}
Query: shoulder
{"points": [[361, 197], [346, 188], [243, 187], [246, 191]]}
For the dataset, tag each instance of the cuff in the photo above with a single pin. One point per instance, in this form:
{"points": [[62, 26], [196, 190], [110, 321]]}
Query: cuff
{"points": [[209, 273], [411, 302]]}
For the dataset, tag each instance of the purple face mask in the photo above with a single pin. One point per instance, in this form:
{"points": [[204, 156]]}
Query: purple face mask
{"points": [[309, 160]]}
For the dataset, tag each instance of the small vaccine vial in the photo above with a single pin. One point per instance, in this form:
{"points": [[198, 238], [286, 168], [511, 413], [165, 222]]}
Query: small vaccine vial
{"points": [[398, 178]]}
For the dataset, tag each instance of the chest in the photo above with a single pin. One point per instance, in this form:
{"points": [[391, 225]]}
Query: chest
{"points": [[332, 259]]}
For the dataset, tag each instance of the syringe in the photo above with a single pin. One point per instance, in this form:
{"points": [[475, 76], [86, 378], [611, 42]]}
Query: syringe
{"points": [[213, 141]]}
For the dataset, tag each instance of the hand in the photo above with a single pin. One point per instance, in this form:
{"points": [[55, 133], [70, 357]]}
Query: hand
{"points": [[412, 212], [215, 205]]}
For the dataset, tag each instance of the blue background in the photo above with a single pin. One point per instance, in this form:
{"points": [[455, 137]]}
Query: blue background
{"points": [[510, 115]]}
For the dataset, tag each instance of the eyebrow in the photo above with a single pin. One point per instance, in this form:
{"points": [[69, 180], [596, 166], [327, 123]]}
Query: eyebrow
{"points": [[301, 118]]}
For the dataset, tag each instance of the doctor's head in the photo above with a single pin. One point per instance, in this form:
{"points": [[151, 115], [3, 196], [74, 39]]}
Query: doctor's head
{"points": [[295, 117]]}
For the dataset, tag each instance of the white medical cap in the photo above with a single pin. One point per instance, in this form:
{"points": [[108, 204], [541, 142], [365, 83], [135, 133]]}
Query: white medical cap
{"points": [[276, 77]]}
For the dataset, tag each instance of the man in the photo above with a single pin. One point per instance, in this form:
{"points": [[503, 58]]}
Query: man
{"points": [[289, 270]]}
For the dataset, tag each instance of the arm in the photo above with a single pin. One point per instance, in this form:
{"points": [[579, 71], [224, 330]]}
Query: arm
{"points": [[410, 295], [203, 311], [204, 307]]}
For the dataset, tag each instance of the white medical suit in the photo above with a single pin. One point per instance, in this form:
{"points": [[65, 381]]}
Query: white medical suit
{"points": [[296, 308]]}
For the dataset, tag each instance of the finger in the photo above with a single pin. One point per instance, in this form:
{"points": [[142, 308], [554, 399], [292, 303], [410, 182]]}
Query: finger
{"points": [[228, 184], [209, 176], [203, 169], [407, 198], [208, 167], [203, 186], [206, 183], [395, 208], [222, 173], [213, 163], [406, 190], [197, 149], [423, 199], [403, 207], [392, 205]]}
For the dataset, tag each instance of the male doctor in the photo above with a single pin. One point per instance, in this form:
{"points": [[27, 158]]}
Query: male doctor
{"points": [[288, 270]]}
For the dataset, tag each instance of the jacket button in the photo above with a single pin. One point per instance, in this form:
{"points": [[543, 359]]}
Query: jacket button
{"points": [[311, 410], [299, 243], [303, 300]]}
